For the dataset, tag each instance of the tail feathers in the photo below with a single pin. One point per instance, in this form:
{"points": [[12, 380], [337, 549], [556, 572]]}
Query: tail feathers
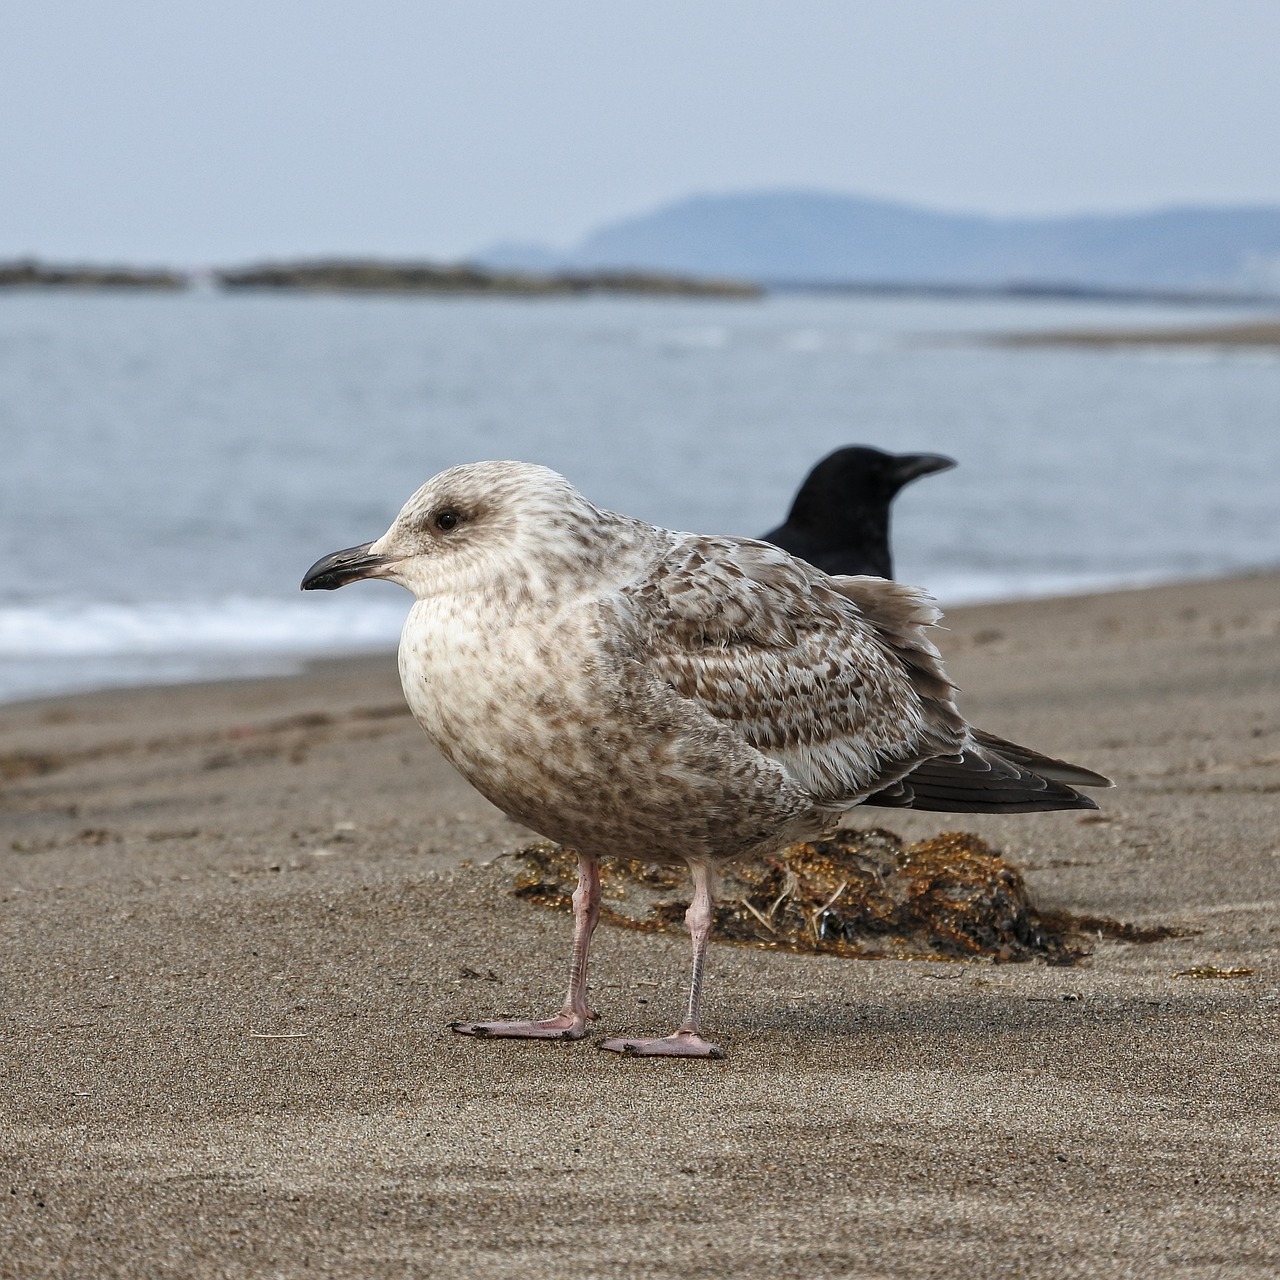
{"points": [[990, 776], [1046, 766]]}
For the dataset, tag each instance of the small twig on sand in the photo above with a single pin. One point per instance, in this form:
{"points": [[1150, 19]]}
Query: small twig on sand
{"points": [[822, 910], [790, 886], [759, 915]]}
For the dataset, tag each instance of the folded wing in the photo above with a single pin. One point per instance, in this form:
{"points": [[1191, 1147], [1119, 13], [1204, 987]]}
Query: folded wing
{"points": [[847, 703], [835, 678]]}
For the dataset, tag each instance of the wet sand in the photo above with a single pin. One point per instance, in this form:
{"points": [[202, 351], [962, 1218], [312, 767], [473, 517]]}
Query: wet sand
{"points": [[1259, 333], [233, 930]]}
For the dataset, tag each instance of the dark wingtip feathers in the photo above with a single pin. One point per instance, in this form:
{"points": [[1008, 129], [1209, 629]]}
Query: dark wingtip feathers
{"points": [[986, 780]]}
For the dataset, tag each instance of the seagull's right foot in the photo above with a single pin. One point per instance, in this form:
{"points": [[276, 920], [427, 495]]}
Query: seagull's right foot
{"points": [[681, 1044], [564, 1026]]}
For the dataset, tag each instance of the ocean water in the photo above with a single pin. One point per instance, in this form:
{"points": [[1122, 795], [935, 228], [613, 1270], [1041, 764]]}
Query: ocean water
{"points": [[170, 466]]}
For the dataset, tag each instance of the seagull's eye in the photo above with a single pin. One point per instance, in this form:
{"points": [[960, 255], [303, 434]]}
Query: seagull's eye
{"points": [[447, 520]]}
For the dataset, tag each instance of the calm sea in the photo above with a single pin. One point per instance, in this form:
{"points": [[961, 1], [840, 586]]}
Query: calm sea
{"points": [[169, 466]]}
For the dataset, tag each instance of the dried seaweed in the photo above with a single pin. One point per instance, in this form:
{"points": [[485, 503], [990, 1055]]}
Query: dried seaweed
{"points": [[861, 893], [15, 765], [1213, 971]]}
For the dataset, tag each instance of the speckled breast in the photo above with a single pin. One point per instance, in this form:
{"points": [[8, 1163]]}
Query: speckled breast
{"points": [[585, 751]]}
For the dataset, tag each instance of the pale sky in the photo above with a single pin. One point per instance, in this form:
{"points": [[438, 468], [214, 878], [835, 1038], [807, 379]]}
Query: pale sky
{"points": [[199, 132]]}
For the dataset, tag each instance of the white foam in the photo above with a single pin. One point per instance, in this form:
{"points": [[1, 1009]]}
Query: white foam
{"points": [[228, 626], [953, 589]]}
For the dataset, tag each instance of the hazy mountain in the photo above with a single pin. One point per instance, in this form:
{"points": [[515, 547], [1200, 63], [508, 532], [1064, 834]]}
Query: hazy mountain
{"points": [[820, 237]]}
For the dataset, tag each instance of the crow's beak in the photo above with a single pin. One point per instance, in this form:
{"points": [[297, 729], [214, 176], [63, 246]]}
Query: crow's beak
{"points": [[336, 570], [911, 466]]}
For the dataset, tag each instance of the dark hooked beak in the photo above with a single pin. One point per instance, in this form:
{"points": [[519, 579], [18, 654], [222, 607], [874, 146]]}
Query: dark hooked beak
{"points": [[336, 570], [911, 466]]}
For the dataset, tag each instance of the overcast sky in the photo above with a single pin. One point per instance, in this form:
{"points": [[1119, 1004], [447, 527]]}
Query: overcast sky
{"points": [[198, 132]]}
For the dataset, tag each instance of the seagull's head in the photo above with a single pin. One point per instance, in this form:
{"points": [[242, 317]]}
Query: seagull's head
{"points": [[471, 528]]}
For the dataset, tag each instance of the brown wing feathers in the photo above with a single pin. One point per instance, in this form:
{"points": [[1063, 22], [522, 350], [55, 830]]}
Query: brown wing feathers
{"points": [[837, 679]]}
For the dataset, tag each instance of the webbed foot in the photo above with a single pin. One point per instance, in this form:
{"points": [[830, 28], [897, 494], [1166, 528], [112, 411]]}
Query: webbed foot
{"points": [[681, 1044], [563, 1026]]}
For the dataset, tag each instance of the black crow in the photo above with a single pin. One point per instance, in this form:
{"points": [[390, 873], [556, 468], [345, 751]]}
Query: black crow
{"points": [[839, 520]]}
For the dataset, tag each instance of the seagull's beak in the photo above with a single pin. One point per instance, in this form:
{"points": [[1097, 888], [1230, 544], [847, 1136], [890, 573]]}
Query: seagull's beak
{"points": [[336, 570], [911, 466]]}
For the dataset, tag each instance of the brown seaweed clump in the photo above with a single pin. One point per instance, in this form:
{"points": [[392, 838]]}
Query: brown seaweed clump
{"points": [[861, 893]]}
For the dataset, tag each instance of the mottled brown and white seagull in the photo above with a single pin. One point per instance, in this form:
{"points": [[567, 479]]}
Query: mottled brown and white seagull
{"points": [[625, 689]]}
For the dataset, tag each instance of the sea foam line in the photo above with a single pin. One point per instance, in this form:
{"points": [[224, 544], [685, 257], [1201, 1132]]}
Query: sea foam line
{"points": [[232, 625]]}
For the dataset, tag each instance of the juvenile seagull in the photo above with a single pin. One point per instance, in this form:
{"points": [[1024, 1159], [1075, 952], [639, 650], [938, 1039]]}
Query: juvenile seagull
{"points": [[840, 517], [627, 690]]}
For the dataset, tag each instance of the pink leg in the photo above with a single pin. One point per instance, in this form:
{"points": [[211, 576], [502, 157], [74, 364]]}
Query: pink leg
{"points": [[686, 1041], [571, 1022]]}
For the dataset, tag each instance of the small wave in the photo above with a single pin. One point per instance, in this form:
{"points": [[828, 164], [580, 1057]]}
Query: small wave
{"points": [[229, 626], [952, 589]]}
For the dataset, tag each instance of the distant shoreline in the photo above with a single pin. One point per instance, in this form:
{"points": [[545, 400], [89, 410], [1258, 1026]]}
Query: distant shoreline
{"points": [[368, 276], [29, 274], [357, 275], [1264, 333], [1047, 291], [412, 277]]}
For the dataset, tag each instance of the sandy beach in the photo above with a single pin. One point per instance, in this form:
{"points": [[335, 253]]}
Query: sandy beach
{"points": [[1261, 333], [236, 920]]}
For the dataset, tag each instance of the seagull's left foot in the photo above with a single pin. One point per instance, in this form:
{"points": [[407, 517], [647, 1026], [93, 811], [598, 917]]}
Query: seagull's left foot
{"points": [[682, 1044], [564, 1026]]}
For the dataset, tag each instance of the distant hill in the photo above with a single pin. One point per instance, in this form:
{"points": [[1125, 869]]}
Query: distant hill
{"points": [[815, 237]]}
